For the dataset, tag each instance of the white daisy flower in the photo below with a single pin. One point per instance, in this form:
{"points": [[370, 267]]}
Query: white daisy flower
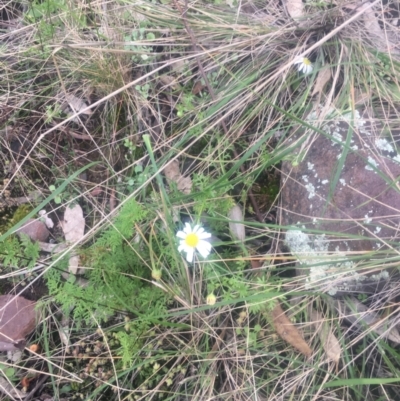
{"points": [[304, 65], [193, 239]]}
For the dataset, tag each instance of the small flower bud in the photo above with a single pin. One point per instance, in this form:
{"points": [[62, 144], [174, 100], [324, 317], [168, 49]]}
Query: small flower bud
{"points": [[156, 274], [211, 299]]}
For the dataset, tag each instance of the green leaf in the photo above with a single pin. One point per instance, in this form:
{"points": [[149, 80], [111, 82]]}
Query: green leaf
{"points": [[9, 372]]}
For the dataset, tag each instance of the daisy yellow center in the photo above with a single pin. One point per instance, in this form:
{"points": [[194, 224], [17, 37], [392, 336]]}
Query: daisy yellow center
{"points": [[192, 240], [306, 61]]}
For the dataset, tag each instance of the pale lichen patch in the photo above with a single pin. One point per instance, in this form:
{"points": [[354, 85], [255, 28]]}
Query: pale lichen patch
{"points": [[355, 119], [383, 275], [372, 164], [312, 251], [367, 219], [311, 190], [383, 144], [338, 137], [377, 230], [396, 158]]}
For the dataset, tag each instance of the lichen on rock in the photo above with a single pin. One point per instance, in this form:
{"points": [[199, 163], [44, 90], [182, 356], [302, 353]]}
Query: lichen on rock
{"points": [[327, 271], [357, 206]]}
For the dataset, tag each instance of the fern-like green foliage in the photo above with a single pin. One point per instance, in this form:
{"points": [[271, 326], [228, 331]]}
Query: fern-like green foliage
{"points": [[16, 253], [220, 204], [118, 280], [132, 342]]}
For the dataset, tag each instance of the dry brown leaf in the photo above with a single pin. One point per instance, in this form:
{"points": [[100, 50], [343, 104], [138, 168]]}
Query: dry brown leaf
{"points": [[73, 226], [18, 318], [295, 8], [323, 78], [371, 24], [77, 104], [167, 80], [288, 332], [198, 87], [113, 200], [15, 355], [179, 65], [6, 387], [329, 341], [96, 191], [361, 316], [237, 229], [25, 382], [64, 331], [381, 39], [73, 264], [361, 97], [172, 173]]}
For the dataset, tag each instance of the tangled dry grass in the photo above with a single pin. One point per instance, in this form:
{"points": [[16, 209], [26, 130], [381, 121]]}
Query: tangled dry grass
{"points": [[215, 88]]}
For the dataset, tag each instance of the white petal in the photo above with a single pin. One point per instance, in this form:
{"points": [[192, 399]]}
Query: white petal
{"points": [[189, 255], [181, 234], [206, 245], [204, 248], [187, 228], [200, 231], [184, 247], [204, 235], [196, 228]]}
